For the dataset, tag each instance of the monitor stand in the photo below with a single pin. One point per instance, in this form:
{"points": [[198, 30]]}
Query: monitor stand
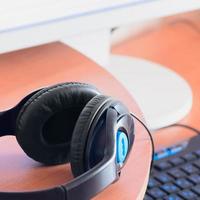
{"points": [[163, 96]]}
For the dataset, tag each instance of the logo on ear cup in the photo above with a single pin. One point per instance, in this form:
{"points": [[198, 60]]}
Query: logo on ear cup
{"points": [[122, 147]]}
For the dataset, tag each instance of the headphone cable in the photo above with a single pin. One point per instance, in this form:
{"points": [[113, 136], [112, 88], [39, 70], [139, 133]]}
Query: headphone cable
{"points": [[197, 131], [151, 139]]}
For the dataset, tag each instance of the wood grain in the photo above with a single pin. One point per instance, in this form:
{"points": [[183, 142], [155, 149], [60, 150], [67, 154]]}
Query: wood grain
{"points": [[25, 71]]}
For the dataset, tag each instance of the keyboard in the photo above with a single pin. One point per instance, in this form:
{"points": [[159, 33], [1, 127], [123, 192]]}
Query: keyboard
{"points": [[176, 172]]}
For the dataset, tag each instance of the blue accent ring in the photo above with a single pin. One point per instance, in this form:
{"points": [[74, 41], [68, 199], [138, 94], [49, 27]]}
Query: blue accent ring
{"points": [[122, 147]]}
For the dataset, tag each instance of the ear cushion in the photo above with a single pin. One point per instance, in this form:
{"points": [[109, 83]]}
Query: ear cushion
{"points": [[45, 123], [81, 133]]}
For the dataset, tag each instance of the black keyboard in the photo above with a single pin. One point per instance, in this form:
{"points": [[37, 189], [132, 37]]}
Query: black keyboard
{"points": [[176, 173]]}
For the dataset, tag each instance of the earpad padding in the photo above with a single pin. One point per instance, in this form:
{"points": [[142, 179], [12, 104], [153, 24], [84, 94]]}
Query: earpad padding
{"points": [[80, 134], [45, 123]]}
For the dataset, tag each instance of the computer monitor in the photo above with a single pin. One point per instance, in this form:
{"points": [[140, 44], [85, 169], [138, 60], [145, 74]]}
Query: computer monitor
{"points": [[28, 23]]}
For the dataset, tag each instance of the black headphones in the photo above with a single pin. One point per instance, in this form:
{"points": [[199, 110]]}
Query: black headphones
{"points": [[71, 122]]}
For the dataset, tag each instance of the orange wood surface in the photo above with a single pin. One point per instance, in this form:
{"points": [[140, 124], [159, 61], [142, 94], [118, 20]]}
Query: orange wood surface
{"points": [[26, 70], [174, 43]]}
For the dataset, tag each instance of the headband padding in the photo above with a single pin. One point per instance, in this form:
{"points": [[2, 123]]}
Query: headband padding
{"points": [[81, 133], [45, 123]]}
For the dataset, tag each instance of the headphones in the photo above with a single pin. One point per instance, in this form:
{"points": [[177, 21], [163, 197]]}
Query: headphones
{"points": [[71, 122]]}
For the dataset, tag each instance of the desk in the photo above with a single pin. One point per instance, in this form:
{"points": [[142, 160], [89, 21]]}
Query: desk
{"points": [[24, 71], [175, 43]]}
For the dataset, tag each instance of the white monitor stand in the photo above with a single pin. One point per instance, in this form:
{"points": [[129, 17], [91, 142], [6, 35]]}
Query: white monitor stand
{"points": [[163, 96]]}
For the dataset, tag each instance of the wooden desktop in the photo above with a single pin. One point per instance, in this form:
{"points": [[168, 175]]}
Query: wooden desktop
{"points": [[27, 70]]}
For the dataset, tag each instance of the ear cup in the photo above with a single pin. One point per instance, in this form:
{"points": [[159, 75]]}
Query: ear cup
{"points": [[81, 133], [45, 123]]}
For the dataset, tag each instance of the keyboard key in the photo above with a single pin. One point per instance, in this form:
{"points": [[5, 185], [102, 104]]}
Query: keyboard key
{"points": [[153, 183], [189, 168], [176, 161], [197, 189], [170, 188], [197, 152], [189, 156], [176, 173], [163, 166], [188, 194], [195, 178], [156, 193], [197, 163], [172, 197], [163, 178], [183, 183], [147, 197]]}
